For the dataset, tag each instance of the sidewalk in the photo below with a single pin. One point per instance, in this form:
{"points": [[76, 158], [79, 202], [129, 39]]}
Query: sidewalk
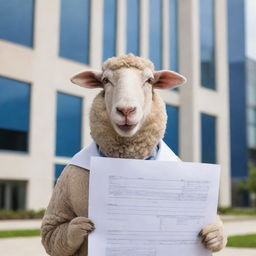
{"points": [[20, 224], [235, 252]]}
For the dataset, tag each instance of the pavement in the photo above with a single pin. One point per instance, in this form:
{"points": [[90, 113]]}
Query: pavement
{"points": [[32, 246], [19, 224]]}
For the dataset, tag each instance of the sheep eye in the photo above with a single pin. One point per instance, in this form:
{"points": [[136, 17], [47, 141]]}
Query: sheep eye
{"points": [[150, 81], [105, 80]]}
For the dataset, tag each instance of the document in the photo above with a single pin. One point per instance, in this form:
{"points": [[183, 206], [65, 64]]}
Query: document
{"points": [[150, 208]]}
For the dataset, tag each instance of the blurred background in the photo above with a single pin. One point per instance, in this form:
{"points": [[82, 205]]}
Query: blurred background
{"points": [[44, 119]]}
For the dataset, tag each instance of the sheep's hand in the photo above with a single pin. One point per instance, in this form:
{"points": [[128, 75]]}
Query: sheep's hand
{"points": [[213, 236], [78, 229]]}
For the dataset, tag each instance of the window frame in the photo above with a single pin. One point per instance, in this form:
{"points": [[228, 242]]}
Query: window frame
{"points": [[30, 86]]}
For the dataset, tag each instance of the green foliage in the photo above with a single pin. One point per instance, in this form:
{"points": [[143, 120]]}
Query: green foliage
{"points": [[250, 183], [242, 241], [236, 211], [19, 233], [252, 179], [21, 214]]}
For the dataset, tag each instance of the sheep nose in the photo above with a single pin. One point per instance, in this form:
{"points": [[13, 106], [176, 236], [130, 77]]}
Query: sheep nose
{"points": [[126, 111]]}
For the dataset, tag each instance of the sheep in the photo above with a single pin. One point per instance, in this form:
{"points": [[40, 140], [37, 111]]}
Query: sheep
{"points": [[127, 120]]}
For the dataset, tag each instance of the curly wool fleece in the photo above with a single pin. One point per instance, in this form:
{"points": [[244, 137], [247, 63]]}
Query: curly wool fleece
{"points": [[127, 61], [142, 144]]}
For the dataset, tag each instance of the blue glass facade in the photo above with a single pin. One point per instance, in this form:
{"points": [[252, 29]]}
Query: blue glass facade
{"points": [[237, 88], [207, 43], [110, 27], [208, 139], [133, 27], [172, 130], [16, 21], [14, 114], [173, 12], [69, 121], [74, 30], [155, 33]]}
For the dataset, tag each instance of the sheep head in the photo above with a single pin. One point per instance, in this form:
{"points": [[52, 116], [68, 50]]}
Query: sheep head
{"points": [[128, 82]]}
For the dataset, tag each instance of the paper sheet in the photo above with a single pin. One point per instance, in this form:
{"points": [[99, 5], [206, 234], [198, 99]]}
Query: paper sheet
{"points": [[150, 208]]}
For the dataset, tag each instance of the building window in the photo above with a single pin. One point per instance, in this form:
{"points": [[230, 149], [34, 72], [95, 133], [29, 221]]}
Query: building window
{"points": [[58, 170], [14, 114], [12, 194], [251, 107], [110, 27], [173, 21], [207, 43], [133, 27], [16, 21], [75, 30], [155, 33], [69, 121], [172, 130], [252, 127], [208, 138]]}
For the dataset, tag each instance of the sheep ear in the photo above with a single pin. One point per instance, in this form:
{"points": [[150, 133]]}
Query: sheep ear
{"points": [[165, 79], [88, 79]]}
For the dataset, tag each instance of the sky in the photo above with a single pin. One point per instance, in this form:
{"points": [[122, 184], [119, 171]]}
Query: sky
{"points": [[251, 28]]}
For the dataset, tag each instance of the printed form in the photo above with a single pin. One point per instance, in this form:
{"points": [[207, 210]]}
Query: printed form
{"points": [[150, 208]]}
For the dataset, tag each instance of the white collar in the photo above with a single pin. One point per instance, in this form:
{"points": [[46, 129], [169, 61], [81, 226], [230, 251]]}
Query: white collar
{"points": [[83, 157]]}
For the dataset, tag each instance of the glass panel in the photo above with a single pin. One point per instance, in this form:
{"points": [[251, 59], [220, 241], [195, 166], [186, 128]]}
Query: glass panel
{"points": [[69, 113], [251, 98], [2, 195], [13, 194], [74, 30], [133, 27], [155, 33], [173, 34], [14, 114], [207, 43], [109, 40], [252, 115], [252, 136], [252, 155], [208, 138], [172, 130], [251, 81], [16, 21]]}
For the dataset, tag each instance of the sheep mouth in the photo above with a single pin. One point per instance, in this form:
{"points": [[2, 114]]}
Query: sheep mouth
{"points": [[126, 127]]}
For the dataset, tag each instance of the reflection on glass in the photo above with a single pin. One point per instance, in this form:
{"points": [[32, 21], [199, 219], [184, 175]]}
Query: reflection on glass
{"points": [[69, 121], [14, 114], [172, 130], [133, 27], [109, 33], [207, 43], [155, 33], [208, 138], [74, 30], [16, 21]]}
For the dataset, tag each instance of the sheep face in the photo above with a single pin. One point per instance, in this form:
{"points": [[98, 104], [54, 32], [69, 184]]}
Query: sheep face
{"points": [[128, 98], [128, 92]]}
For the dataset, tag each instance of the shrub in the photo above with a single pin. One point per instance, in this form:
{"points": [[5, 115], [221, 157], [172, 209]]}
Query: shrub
{"points": [[21, 214], [250, 183]]}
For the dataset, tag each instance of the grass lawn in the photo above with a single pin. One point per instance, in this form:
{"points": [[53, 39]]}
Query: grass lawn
{"points": [[19, 233], [242, 241], [237, 211]]}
